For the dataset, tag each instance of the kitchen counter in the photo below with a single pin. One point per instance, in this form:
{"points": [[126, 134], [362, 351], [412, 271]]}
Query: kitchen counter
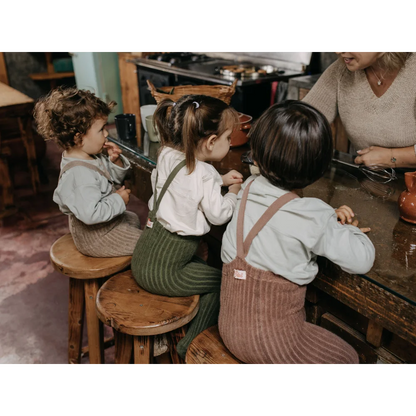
{"points": [[144, 157], [386, 296]]}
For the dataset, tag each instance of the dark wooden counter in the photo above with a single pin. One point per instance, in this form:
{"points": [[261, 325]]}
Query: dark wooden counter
{"points": [[16, 116], [369, 311]]}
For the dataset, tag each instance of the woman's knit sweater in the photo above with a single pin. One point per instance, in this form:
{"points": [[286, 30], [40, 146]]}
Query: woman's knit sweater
{"points": [[386, 121]]}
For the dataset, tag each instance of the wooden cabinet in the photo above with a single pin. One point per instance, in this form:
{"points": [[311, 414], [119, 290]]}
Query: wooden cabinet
{"points": [[373, 343]]}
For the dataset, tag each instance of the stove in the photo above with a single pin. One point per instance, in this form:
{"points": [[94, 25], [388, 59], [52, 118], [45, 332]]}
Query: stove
{"points": [[254, 75], [218, 70], [176, 58]]}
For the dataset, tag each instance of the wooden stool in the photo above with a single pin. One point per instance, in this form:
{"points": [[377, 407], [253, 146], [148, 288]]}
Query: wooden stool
{"points": [[137, 315], [84, 273], [208, 348]]}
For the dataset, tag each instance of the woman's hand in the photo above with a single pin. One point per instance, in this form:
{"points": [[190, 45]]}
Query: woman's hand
{"points": [[114, 153], [345, 215], [231, 178], [375, 156]]}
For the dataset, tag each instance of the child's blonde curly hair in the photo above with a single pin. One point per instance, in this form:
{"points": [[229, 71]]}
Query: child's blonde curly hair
{"points": [[64, 112]]}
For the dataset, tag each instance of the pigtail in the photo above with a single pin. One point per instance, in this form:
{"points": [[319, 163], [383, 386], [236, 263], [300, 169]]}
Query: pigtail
{"points": [[190, 135], [193, 118], [161, 121]]}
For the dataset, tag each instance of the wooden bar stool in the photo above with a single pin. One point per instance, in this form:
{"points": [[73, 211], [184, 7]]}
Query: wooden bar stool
{"points": [[84, 280], [208, 348], [137, 315]]}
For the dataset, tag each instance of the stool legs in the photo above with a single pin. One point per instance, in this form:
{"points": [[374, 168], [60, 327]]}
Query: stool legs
{"points": [[75, 320], [123, 347], [143, 349], [82, 295], [94, 325], [141, 346], [175, 337]]}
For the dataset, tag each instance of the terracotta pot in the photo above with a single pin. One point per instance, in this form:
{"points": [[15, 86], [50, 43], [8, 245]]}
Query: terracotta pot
{"points": [[407, 199], [239, 135]]}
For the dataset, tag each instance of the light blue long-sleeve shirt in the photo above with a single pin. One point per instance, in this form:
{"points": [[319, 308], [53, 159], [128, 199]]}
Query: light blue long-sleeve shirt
{"points": [[300, 231], [87, 194]]}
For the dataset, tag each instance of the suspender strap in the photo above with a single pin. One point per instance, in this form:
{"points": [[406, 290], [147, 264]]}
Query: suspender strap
{"points": [[86, 165], [171, 177], [244, 246]]}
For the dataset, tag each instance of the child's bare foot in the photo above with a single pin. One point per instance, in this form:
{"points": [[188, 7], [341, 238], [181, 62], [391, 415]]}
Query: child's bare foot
{"points": [[202, 250]]}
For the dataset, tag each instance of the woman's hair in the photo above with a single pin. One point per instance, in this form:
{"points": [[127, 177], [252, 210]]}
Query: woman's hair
{"points": [[393, 60], [64, 112], [182, 125], [292, 144]]}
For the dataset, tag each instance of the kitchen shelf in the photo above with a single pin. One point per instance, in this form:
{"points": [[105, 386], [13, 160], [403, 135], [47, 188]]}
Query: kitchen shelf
{"points": [[42, 76], [50, 74]]}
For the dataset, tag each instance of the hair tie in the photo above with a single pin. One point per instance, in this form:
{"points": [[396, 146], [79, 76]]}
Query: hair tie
{"points": [[196, 104], [173, 105]]}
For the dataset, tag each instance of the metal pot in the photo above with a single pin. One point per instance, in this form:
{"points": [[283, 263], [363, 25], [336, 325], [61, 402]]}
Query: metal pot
{"points": [[247, 71], [239, 134]]}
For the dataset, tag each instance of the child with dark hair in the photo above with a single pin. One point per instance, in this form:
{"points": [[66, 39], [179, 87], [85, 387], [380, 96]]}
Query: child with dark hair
{"points": [[186, 200], [98, 220], [271, 245]]}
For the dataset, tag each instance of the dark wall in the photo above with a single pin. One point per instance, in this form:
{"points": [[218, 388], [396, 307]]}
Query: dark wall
{"points": [[21, 64], [326, 59], [321, 61]]}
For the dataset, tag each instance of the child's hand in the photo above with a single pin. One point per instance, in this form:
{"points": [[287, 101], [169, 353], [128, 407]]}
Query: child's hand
{"points": [[235, 188], [124, 193], [345, 214], [114, 152], [231, 178]]}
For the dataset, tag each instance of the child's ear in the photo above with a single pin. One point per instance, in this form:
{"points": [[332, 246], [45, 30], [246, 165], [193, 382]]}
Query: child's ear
{"points": [[78, 139], [210, 142]]}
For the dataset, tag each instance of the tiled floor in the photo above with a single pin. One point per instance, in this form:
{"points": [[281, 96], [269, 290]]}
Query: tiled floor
{"points": [[34, 297]]}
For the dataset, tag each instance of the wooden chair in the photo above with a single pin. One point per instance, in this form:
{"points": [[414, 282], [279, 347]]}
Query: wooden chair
{"points": [[85, 275], [208, 348], [137, 315]]}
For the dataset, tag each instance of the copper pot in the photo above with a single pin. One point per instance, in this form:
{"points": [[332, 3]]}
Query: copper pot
{"points": [[239, 134]]}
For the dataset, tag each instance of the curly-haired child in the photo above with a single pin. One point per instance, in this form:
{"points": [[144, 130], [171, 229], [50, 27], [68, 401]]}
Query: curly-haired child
{"points": [[99, 223]]}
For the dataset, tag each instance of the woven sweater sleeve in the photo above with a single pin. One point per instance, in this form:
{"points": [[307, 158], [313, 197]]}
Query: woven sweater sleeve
{"points": [[324, 93]]}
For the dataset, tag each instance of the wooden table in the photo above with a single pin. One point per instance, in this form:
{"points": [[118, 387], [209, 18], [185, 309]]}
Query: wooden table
{"points": [[375, 312], [15, 105]]}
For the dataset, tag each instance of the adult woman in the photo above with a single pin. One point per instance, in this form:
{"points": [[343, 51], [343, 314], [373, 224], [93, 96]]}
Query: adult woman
{"points": [[374, 94]]}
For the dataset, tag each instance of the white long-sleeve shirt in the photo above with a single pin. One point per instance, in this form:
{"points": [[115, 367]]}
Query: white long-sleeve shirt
{"points": [[192, 202], [300, 231], [87, 194]]}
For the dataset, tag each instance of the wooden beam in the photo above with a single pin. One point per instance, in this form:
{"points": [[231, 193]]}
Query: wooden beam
{"points": [[3, 70], [130, 91]]}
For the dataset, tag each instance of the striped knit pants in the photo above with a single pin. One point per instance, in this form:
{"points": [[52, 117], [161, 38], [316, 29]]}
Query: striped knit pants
{"points": [[262, 321], [164, 263], [114, 238]]}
